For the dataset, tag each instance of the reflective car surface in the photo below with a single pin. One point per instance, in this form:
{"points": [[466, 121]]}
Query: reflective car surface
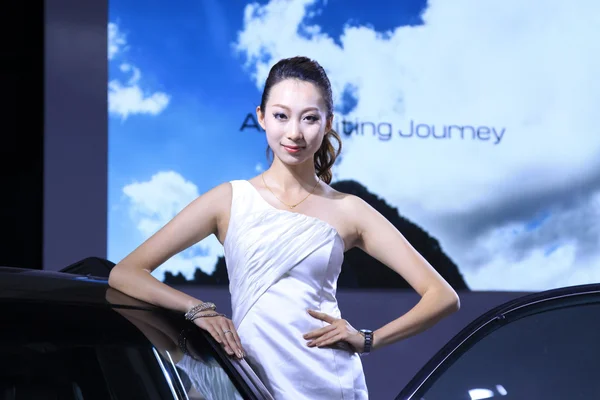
{"points": [[543, 346], [67, 336], [70, 336]]}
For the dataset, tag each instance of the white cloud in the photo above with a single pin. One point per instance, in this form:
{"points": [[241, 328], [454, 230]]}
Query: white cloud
{"points": [[537, 271], [154, 203], [529, 68], [125, 99], [117, 40], [516, 257]]}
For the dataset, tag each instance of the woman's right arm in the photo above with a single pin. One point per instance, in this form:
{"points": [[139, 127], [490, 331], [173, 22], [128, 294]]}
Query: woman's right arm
{"points": [[206, 215]]}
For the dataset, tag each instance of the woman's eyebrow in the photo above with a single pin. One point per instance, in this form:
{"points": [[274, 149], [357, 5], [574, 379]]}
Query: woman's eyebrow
{"points": [[306, 109]]}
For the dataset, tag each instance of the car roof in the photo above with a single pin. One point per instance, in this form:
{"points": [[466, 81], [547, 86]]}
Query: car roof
{"points": [[73, 294], [62, 304], [20, 284]]}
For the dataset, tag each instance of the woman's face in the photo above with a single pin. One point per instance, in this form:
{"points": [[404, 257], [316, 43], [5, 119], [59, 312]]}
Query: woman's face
{"points": [[295, 120]]}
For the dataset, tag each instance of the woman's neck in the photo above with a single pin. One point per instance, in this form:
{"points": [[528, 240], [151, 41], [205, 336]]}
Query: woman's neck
{"points": [[291, 178]]}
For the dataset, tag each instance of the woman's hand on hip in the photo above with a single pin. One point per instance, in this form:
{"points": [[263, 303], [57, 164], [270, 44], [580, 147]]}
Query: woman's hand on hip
{"points": [[222, 329], [338, 332]]}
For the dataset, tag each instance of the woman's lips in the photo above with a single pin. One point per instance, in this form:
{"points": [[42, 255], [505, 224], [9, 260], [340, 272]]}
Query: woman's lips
{"points": [[292, 149]]}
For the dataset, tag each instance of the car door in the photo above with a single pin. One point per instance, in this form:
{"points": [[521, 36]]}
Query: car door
{"points": [[189, 357], [87, 351], [543, 346]]}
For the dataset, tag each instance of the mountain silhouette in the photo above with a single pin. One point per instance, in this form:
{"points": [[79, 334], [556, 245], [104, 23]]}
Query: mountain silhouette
{"points": [[360, 270]]}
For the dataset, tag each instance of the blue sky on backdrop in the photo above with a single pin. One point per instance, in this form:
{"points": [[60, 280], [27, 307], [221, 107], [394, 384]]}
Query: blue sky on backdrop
{"points": [[182, 80]]}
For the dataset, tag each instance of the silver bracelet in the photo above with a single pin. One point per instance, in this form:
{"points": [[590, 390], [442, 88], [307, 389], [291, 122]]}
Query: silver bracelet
{"points": [[215, 314], [199, 308]]}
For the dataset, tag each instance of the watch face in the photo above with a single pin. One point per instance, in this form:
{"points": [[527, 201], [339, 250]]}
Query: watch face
{"points": [[367, 331]]}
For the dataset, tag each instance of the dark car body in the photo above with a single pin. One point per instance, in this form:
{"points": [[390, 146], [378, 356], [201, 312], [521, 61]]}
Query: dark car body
{"points": [[541, 346], [66, 336], [70, 336]]}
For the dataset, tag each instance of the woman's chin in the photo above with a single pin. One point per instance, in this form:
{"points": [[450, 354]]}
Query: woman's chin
{"points": [[294, 159]]}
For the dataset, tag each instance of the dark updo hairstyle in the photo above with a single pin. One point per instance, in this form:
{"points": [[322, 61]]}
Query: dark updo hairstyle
{"points": [[305, 69]]}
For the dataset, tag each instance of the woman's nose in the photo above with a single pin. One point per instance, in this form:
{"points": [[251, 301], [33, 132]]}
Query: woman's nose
{"points": [[294, 132]]}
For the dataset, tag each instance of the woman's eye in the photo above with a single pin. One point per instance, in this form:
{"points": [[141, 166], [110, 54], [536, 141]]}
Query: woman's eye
{"points": [[279, 116], [312, 118]]}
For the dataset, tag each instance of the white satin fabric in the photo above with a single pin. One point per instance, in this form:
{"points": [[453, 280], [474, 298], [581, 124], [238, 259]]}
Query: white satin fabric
{"points": [[280, 264], [209, 379]]}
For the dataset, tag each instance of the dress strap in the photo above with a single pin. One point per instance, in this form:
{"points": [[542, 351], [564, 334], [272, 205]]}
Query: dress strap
{"points": [[241, 204]]}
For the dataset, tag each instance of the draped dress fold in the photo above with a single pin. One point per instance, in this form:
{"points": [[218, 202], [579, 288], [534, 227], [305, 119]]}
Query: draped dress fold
{"points": [[281, 263]]}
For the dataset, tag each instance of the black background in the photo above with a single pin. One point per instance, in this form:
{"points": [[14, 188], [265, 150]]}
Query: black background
{"points": [[22, 149]]}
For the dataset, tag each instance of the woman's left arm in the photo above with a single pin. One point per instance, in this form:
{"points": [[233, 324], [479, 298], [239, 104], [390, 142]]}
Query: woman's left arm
{"points": [[380, 239]]}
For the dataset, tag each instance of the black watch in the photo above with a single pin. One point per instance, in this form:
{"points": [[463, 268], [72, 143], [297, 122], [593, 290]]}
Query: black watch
{"points": [[368, 334]]}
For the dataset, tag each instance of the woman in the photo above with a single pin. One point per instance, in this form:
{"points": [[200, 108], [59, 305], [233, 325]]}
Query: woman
{"points": [[284, 234]]}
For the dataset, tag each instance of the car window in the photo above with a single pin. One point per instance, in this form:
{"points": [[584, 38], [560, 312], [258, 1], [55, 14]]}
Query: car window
{"points": [[80, 371], [549, 353], [185, 354], [72, 352]]}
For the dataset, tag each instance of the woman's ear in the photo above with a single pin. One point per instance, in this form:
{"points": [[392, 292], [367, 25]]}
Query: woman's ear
{"points": [[261, 117], [329, 124]]}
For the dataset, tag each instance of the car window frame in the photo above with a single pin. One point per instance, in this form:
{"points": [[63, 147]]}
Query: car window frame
{"points": [[491, 321], [245, 380]]}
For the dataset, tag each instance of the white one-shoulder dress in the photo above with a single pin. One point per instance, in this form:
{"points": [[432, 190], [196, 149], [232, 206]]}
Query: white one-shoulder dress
{"points": [[281, 263]]}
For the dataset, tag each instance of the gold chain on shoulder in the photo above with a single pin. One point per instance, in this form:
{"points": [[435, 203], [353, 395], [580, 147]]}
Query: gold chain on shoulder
{"points": [[291, 206]]}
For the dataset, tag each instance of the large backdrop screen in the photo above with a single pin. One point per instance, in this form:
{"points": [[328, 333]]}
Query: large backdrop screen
{"points": [[470, 125]]}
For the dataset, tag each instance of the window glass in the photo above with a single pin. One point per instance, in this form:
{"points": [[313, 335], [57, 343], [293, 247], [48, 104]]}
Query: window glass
{"points": [[550, 355], [47, 370], [73, 352]]}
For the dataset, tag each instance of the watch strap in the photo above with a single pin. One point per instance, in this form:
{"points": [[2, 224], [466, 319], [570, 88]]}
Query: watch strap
{"points": [[368, 335]]}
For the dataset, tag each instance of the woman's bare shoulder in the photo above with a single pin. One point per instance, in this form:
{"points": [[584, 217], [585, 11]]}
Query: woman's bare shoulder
{"points": [[219, 193], [342, 198], [215, 202]]}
